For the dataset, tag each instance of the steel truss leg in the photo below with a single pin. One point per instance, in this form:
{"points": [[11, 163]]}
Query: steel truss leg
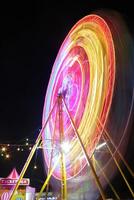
{"points": [[31, 155], [85, 153], [63, 167]]}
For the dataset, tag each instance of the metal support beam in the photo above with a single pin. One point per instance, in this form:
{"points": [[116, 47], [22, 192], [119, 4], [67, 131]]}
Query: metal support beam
{"points": [[85, 153], [63, 166], [31, 155]]}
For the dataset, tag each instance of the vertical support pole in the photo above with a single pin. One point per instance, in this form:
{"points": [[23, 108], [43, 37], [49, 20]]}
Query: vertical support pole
{"points": [[85, 153], [63, 167], [31, 155]]}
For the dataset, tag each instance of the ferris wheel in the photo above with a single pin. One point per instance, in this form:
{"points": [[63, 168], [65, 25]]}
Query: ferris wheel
{"points": [[87, 106]]}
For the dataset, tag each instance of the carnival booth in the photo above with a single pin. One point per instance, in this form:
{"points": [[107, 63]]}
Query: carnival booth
{"points": [[24, 191]]}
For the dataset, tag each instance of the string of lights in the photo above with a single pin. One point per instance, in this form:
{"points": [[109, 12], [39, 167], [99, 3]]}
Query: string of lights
{"points": [[7, 148]]}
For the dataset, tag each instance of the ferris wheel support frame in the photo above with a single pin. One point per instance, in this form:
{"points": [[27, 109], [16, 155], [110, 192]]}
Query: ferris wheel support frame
{"points": [[63, 180], [61, 157], [63, 166]]}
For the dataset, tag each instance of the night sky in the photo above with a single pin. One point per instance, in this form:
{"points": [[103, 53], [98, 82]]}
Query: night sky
{"points": [[31, 33]]}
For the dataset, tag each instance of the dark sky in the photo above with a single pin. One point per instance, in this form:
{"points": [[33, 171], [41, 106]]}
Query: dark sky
{"points": [[31, 33], [30, 36]]}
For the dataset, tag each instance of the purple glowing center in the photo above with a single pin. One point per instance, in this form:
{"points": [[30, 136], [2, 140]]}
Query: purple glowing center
{"points": [[69, 91]]}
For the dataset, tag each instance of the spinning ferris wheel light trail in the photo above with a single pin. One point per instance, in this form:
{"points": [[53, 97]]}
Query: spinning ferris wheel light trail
{"points": [[78, 105], [84, 73]]}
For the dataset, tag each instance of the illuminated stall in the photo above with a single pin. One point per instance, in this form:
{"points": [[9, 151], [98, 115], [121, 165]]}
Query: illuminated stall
{"points": [[24, 191]]}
